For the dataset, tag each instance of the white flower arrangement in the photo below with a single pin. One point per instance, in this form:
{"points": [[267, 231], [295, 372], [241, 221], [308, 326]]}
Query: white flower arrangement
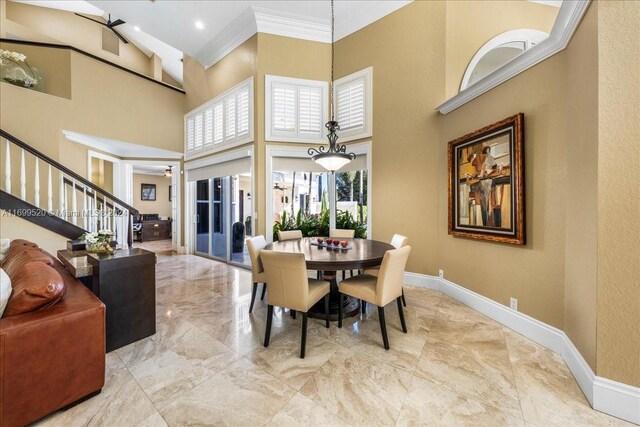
{"points": [[101, 236], [29, 79], [13, 56]]}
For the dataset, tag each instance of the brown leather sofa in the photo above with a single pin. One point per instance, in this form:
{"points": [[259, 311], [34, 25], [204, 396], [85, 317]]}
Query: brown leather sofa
{"points": [[52, 357]]}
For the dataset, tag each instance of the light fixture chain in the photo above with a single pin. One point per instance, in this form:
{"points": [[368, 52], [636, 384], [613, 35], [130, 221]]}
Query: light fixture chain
{"points": [[332, 56]]}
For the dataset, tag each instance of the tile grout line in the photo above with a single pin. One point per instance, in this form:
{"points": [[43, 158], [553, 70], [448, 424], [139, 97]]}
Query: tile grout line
{"points": [[513, 374]]}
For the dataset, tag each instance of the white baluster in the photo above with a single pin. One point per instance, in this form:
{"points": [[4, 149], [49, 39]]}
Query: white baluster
{"points": [[84, 208], [104, 213], [95, 210], [23, 177], [36, 187], [7, 169], [74, 203], [63, 199], [49, 191]]}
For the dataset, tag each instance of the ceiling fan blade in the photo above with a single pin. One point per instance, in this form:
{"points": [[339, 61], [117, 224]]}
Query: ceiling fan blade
{"points": [[91, 19], [125, 41], [116, 23]]}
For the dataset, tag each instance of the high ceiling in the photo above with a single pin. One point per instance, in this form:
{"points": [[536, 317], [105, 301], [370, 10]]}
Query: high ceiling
{"points": [[224, 23]]}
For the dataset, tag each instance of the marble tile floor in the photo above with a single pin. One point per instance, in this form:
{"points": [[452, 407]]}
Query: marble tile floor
{"points": [[206, 365]]}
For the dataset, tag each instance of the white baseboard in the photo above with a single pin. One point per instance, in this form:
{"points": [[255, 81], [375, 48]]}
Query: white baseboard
{"points": [[617, 399], [613, 398]]}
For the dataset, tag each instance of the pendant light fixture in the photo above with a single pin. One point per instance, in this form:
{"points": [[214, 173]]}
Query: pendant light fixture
{"points": [[336, 156]]}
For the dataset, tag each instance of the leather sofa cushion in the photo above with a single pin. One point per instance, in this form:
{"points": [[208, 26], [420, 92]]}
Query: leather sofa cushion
{"points": [[18, 245], [18, 257], [35, 286]]}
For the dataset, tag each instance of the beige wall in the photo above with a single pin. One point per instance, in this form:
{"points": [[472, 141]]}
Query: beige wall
{"points": [[282, 56], [406, 88], [53, 64], [102, 173], [12, 227], [581, 134], [162, 205], [618, 192], [202, 85], [67, 28], [471, 24]]}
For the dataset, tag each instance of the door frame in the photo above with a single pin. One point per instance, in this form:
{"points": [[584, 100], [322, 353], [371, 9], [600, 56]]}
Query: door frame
{"points": [[190, 193], [117, 170], [176, 200]]}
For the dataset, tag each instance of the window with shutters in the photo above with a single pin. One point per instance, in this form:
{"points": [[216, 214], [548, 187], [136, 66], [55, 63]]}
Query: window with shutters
{"points": [[353, 103], [224, 121], [296, 109]]}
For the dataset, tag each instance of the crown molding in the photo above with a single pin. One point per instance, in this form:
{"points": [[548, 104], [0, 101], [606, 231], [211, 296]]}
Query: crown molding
{"points": [[292, 25], [236, 33], [262, 20], [354, 19], [567, 22]]}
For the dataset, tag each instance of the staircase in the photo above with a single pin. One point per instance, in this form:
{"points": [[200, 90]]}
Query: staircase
{"points": [[70, 206]]}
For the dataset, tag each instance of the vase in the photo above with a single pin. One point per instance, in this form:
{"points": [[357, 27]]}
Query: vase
{"points": [[21, 74], [99, 248]]}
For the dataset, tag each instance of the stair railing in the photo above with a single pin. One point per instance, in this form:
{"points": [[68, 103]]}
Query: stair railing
{"points": [[80, 201]]}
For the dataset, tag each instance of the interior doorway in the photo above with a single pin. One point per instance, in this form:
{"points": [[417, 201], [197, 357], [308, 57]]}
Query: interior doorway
{"points": [[153, 188]]}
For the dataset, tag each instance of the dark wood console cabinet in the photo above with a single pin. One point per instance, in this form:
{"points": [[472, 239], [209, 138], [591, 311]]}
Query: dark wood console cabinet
{"points": [[155, 230], [126, 283]]}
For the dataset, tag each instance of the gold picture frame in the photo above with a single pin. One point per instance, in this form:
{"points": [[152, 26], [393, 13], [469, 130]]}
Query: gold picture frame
{"points": [[486, 183]]}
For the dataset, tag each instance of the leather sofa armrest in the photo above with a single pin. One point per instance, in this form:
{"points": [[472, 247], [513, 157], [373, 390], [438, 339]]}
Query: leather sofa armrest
{"points": [[50, 358]]}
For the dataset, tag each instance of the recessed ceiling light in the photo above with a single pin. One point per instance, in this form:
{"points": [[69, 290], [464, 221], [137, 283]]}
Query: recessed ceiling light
{"points": [[199, 25], [136, 28]]}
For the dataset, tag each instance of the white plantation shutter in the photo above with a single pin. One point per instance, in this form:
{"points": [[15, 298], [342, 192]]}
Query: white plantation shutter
{"points": [[350, 105], [218, 122], [208, 128], [284, 108], [354, 113], [225, 120], [230, 116], [310, 110], [243, 112], [198, 142], [190, 135], [296, 109]]}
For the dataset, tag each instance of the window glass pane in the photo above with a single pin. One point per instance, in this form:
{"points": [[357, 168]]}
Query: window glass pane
{"points": [[241, 212], [351, 201], [202, 211], [300, 201]]}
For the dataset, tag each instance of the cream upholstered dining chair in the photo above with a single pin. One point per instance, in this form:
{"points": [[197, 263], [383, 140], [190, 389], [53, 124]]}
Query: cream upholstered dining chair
{"points": [[289, 287], [255, 245], [289, 235], [397, 241], [380, 290], [338, 233]]}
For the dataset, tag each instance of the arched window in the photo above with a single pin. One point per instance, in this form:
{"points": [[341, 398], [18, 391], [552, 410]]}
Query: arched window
{"points": [[499, 51]]}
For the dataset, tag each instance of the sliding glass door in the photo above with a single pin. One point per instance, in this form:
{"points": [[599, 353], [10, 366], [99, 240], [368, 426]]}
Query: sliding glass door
{"points": [[223, 218]]}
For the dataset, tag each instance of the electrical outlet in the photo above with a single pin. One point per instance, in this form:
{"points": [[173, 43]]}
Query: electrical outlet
{"points": [[441, 274], [513, 303]]}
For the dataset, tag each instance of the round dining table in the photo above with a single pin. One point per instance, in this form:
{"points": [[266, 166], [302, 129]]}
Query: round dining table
{"points": [[362, 254]]}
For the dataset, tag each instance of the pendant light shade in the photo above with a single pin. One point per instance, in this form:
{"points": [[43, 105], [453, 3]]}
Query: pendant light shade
{"points": [[336, 156]]}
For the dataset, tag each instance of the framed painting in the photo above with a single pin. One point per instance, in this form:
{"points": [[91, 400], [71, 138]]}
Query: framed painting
{"points": [[148, 192], [486, 183]]}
